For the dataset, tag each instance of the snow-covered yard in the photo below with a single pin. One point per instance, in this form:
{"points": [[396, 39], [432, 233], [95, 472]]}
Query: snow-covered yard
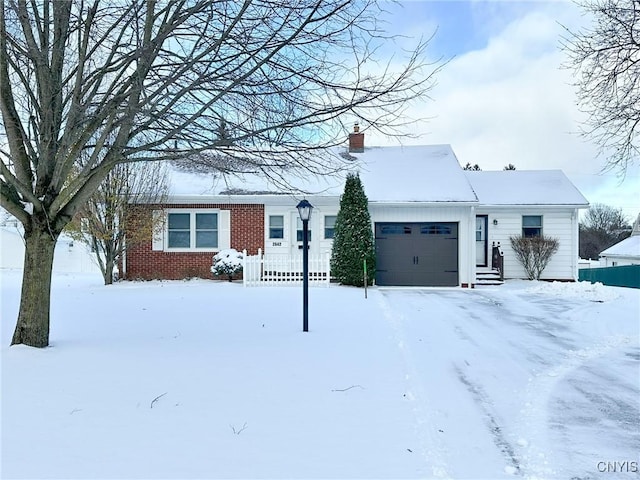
{"points": [[202, 379]]}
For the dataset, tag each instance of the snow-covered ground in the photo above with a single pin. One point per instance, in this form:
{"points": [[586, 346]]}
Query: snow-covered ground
{"points": [[203, 379]]}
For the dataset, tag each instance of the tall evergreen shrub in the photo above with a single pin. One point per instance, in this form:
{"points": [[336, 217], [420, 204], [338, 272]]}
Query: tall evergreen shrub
{"points": [[353, 237]]}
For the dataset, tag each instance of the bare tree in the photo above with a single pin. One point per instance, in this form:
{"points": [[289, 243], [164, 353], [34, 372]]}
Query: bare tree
{"points": [[101, 221], [602, 226], [473, 168], [604, 57], [146, 80]]}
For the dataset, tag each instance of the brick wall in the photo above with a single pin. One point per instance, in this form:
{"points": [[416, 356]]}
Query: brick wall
{"points": [[247, 232]]}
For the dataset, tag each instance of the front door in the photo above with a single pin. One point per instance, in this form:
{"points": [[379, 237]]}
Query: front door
{"points": [[481, 240], [296, 235]]}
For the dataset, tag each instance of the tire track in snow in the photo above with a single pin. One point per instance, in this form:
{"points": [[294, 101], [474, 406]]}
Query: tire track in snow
{"points": [[534, 460], [483, 402], [432, 447]]}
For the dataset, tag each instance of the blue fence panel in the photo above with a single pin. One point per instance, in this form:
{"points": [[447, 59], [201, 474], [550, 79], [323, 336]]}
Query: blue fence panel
{"points": [[625, 276]]}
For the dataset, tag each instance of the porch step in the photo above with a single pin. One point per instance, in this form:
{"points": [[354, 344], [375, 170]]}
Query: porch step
{"points": [[488, 277]]}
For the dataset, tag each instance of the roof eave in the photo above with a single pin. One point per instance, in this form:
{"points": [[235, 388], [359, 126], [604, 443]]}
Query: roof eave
{"points": [[438, 203], [534, 205]]}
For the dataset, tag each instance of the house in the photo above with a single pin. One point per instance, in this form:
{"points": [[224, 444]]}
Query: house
{"points": [[435, 224], [626, 252], [69, 256]]}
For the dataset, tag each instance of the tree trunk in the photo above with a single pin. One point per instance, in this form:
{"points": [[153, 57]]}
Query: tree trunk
{"points": [[32, 328], [108, 271]]}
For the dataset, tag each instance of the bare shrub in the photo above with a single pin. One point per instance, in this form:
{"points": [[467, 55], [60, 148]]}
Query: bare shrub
{"points": [[534, 253]]}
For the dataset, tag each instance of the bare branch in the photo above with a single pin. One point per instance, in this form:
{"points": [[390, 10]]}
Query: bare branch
{"points": [[157, 398], [239, 430], [86, 86], [605, 58], [534, 253], [348, 388]]}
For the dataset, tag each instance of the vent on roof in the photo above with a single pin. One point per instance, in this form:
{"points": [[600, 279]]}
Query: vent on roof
{"points": [[356, 140]]}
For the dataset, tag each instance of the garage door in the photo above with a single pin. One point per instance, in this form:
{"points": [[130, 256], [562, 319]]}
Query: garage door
{"points": [[417, 254]]}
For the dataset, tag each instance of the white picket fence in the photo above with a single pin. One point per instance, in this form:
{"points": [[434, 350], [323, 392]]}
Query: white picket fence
{"points": [[279, 269]]}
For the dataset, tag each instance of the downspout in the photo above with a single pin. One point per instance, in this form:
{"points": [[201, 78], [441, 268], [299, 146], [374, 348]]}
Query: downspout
{"points": [[471, 247], [576, 244]]}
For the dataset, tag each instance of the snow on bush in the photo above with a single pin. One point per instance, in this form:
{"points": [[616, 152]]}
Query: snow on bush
{"points": [[596, 292], [227, 262]]}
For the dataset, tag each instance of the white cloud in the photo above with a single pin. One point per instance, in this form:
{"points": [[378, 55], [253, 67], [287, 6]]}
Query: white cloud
{"points": [[511, 102]]}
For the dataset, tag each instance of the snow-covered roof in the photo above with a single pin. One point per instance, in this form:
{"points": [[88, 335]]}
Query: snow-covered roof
{"points": [[629, 247], [525, 187], [414, 174], [389, 174], [184, 182], [429, 174]]}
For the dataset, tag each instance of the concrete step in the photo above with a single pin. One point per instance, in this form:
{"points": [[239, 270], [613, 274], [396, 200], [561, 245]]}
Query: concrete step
{"points": [[488, 276], [484, 282]]}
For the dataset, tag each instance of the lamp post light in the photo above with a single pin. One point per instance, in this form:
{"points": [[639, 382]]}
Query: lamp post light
{"points": [[304, 210]]}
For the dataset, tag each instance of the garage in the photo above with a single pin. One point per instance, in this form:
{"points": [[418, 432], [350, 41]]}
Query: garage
{"points": [[417, 254]]}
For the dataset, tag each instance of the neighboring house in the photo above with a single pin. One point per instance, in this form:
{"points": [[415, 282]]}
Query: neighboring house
{"points": [[434, 223], [69, 256], [626, 252]]}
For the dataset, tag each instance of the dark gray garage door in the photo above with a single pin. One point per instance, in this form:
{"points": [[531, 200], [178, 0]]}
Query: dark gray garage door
{"points": [[417, 254]]}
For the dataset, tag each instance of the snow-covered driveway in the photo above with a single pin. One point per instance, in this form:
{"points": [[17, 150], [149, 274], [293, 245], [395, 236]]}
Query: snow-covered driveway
{"points": [[202, 379], [537, 380]]}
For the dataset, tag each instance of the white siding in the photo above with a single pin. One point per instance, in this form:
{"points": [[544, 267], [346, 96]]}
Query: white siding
{"points": [[560, 223], [619, 261], [557, 223], [289, 244]]}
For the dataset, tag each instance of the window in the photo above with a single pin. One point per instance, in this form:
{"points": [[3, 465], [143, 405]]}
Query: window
{"points": [[206, 230], [395, 230], [179, 230], [276, 226], [435, 229], [480, 229], [329, 226], [192, 230], [532, 225], [299, 231]]}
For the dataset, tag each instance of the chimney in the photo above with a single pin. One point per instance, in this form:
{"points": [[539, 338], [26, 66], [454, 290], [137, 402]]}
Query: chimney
{"points": [[356, 140]]}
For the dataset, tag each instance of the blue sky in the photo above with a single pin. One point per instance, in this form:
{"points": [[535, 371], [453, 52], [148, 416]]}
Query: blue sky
{"points": [[461, 25], [503, 97]]}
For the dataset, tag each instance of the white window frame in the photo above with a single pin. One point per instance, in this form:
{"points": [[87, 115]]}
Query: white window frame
{"points": [[269, 217], [335, 217], [223, 230]]}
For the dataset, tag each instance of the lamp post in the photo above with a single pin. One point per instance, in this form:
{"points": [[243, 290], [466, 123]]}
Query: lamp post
{"points": [[304, 210]]}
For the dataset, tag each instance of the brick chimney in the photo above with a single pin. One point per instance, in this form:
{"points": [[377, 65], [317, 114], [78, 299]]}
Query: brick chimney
{"points": [[356, 140]]}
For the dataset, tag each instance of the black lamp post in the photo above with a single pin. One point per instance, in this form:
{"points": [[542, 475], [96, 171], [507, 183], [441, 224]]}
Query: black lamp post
{"points": [[304, 210]]}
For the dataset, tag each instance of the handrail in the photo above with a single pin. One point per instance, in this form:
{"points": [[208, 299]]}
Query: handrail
{"points": [[497, 259]]}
